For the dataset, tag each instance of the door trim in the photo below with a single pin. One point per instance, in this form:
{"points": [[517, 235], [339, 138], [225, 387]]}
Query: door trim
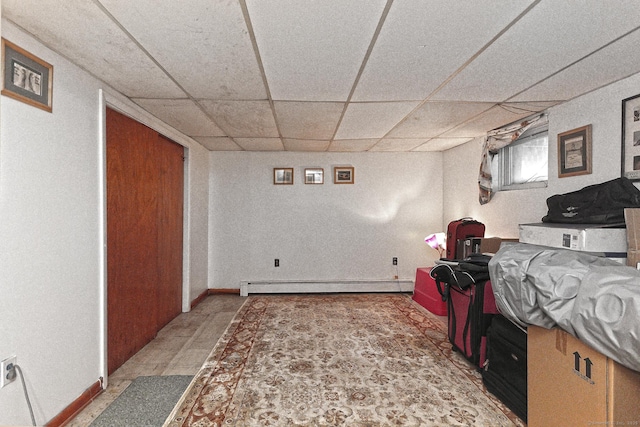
{"points": [[122, 105]]}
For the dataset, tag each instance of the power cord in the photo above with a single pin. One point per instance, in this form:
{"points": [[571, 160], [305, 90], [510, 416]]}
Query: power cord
{"points": [[12, 375]]}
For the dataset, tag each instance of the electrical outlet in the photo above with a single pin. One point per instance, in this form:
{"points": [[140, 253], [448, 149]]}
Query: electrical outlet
{"points": [[8, 371], [276, 262], [395, 261]]}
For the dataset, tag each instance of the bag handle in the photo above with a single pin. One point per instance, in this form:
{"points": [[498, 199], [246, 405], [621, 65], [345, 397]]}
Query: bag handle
{"points": [[442, 274]]}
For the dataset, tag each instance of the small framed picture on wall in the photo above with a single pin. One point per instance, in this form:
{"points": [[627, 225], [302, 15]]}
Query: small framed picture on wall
{"points": [[283, 176], [343, 175], [574, 152], [314, 176], [631, 138], [27, 78]]}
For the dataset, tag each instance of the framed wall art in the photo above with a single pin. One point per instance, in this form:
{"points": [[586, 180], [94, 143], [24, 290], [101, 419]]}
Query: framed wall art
{"points": [[283, 176], [27, 78], [343, 175], [574, 152], [314, 176], [631, 138]]}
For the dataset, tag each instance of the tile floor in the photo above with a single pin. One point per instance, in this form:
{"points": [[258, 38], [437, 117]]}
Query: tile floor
{"points": [[180, 348]]}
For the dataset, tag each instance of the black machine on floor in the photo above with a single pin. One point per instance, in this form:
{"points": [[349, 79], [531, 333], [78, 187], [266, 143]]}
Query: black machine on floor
{"points": [[505, 370]]}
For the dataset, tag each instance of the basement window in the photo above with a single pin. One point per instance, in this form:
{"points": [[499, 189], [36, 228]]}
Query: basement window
{"points": [[524, 163]]}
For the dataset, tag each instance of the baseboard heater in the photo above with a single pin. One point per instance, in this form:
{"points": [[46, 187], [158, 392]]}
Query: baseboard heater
{"points": [[316, 286]]}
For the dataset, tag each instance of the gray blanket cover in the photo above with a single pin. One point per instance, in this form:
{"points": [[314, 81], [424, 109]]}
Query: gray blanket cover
{"points": [[595, 299]]}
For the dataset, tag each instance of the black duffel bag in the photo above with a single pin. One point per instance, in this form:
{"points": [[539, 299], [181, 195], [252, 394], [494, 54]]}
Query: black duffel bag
{"points": [[595, 204]]}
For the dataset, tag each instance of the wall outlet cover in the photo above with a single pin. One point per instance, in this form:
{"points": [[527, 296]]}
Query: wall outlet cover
{"points": [[6, 376]]}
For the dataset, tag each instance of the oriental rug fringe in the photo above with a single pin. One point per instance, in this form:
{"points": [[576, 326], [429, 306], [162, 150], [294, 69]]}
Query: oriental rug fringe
{"points": [[337, 360]]}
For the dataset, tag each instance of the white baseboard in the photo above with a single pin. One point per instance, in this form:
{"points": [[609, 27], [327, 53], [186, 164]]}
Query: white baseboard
{"points": [[313, 286]]}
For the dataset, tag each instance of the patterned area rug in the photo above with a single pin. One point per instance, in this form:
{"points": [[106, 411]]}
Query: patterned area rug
{"points": [[337, 360]]}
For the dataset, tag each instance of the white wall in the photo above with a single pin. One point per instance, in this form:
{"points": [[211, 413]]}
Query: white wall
{"points": [[322, 232], [51, 235], [50, 232], [602, 109], [197, 228]]}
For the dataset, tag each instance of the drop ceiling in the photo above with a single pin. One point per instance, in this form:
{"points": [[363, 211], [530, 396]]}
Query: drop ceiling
{"points": [[341, 75]]}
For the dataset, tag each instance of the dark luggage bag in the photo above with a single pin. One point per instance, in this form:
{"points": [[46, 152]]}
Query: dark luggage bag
{"points": [[459, 230], [505, 372], [470, 313], [471, 305]]}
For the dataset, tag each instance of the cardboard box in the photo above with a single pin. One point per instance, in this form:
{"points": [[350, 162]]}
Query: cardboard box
{"points": [[570, 384], [632, 219], [600, 240], [482, 245]]}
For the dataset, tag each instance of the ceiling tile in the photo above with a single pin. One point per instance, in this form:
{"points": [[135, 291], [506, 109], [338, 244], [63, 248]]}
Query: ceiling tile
{"points": [[372, 120], [204, 45], [182, 114], [308, 120], [551, 36], [441, 144], [429, 80], [312, 51], [260, 144], [94, 42], [423, 43], [246, 119], [390, 144], [305, 145], [616, 61], [496, 117], [434, 118], [352, 145], [213, 143]]}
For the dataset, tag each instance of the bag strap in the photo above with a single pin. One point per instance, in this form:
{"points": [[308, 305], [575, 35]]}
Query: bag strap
{"points": [[443, 290], [467, 324], [443, 276], [451, 320]]}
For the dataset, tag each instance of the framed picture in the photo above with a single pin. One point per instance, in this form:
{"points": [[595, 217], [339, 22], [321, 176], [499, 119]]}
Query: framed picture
{"points": [[631, 138], [283, 176], [314, 176], [574, 152], [27, 78], [343, 175]]}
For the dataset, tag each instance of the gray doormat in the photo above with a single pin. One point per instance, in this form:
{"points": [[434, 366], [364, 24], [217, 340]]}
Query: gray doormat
{"points": [[146, 402]]}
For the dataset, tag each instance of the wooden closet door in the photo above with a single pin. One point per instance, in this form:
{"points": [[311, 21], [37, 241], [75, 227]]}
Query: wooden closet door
{"points": [[170, 220], [144, 235]]}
